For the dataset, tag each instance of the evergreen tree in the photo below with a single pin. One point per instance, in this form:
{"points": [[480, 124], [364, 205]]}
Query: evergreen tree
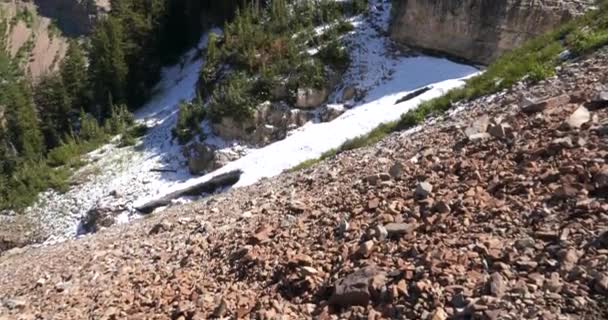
{"points": [[54, 107], [73, 71], [108, 68]]}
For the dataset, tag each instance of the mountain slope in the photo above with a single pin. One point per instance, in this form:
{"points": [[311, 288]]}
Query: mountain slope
{"points": [[117, 180], [510, 222]]}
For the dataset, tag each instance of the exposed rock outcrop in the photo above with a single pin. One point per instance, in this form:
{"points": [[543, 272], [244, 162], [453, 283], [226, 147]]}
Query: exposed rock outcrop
{"points": [[477, 30], [270, 122]]}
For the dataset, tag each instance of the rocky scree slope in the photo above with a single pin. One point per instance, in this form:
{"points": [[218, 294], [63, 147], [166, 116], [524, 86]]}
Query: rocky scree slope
{"points": [[497, 211], [478, 30]]}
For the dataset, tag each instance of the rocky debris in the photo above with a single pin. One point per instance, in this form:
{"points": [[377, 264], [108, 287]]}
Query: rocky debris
{"points": [[311, 98], [102, 215], [511, 228]]}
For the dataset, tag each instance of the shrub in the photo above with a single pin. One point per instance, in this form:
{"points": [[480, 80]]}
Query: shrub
{"points": [[233, 98], [189, 121], [335, 55]]}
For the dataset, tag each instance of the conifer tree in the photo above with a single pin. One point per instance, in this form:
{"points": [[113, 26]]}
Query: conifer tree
{"points": [[54, 106], [108, 67], [75, 79]]}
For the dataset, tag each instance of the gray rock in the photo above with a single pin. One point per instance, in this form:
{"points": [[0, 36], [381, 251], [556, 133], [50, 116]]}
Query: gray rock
{"points": [[380, 232], [502, 131], [480, 125], [531, 106], [423, 190], [330, 112], [396, 170], [311, 98], [399, 229], [561, 143]]}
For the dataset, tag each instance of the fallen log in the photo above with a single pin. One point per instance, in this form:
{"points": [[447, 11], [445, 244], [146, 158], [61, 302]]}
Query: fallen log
{"points": [[162, 170], [413, 95], [209, 186]]}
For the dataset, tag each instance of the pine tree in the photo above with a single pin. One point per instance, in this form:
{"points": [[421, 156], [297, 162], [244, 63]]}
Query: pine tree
{"points": [[54, 106], [22, 124], [108, 68], [73, 71]]}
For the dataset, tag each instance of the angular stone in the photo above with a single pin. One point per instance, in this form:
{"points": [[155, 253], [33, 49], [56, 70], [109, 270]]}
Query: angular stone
{"points": [[502, 131], [396, 170], [530, 106], [365, 249], [554, 283], [399, 229], [354, 289], [480, 125], [442, 207], [578, 118], [373, 204], [423, 190], [561, 143], [498, 285], [479, 137], [380, 232]]}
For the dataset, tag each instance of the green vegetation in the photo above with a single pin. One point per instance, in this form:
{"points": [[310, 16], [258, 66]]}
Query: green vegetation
{"points": [[264, 50], [46, 128], [533, 62], [189, 121]]}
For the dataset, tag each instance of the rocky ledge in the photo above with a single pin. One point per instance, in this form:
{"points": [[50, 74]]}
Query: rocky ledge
{"points": [[497, 212]]}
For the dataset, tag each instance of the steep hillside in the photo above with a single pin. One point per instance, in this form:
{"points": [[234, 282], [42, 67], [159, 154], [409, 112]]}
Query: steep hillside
{"points": [[497, 211], [31, 38], [114, 181], [478, 30]]}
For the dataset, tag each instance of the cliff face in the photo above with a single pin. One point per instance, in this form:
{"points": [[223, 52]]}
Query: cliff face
{"points": [[477, 30], [35, 32]]}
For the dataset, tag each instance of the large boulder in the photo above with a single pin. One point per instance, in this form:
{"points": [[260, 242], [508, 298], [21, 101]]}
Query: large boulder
{"points": [[200, 158], [311, 98], [270, 122], [330, 112]]}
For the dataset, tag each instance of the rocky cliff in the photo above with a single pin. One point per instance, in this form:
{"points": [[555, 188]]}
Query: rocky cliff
{"points": [[477, 30]]}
